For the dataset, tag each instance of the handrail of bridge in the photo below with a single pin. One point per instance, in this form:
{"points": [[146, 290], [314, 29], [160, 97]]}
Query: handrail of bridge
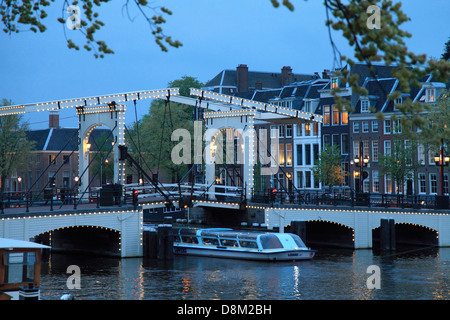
{"points": [[346, 198]]}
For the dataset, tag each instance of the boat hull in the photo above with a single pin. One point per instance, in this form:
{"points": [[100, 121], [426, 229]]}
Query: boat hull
{"points": [[245, 254]]}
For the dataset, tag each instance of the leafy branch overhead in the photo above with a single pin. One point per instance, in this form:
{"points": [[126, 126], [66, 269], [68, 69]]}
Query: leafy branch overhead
{"points": [[31, 14]]}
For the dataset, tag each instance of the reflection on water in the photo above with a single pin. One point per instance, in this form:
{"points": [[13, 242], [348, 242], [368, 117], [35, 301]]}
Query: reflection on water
{"points": [[332, 274]]}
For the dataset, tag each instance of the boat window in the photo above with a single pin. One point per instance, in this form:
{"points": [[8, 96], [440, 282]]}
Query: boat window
{"points": [[248, 236], [210, 241], [209, 234], [270, 241], [188, 232], [187, 239], [248, 244], [298, 240], [19, 266], [229, 242]]}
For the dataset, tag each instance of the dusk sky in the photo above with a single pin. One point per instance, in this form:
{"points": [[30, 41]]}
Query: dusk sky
{"points": [[216, 35]]}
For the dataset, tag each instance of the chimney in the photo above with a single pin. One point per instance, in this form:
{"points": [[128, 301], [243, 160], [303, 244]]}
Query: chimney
{"points": [[242, 78], [286, 75], [53, 119], [258, 85], [325, 74]]}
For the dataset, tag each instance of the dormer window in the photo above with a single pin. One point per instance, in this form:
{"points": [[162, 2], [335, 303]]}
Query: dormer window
{"points": [[365, 106], [307, 106], [430, 95], [334, 83], [398, 100]]}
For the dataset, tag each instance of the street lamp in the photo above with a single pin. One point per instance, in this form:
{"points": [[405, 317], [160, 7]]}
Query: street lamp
{"points": [[361, 162], [442, 161]]}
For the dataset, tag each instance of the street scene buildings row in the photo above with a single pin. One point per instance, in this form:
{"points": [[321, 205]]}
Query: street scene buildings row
{"points": [[300, 145]]}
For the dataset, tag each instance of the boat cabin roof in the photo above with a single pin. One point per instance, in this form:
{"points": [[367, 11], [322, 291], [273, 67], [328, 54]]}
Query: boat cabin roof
{"points": [[20, 244], [267, 239]]}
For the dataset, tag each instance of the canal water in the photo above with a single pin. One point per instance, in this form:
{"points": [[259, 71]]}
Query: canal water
{"points": [[414, 273]]}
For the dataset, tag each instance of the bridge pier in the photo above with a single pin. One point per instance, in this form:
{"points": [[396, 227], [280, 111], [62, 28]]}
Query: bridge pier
{"points": [[387, 234]]}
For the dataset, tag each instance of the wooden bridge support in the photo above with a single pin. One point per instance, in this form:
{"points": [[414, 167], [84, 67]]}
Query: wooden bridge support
{"points": [[387, 234]]}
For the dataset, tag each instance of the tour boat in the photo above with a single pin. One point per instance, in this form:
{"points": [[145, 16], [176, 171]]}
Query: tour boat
{"points": [[20, 269], [229, 243]]}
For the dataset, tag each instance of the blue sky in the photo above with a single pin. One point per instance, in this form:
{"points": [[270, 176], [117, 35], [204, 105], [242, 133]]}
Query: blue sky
{"points": [[216, 35]]}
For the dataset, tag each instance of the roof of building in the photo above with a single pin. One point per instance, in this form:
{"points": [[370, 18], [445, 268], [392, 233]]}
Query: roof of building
{"points": [[63, 139], [268, 80]]}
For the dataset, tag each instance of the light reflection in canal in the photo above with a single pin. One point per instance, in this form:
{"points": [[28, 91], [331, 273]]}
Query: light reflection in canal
{"points": [[332, 274]]}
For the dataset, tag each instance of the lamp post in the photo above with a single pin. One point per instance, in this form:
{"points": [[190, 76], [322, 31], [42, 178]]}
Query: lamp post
{"points": [[361, 161], [442, 162]]}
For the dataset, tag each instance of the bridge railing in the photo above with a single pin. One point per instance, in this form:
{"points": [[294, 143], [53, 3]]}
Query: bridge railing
{"points": [[56, 198], [345, 198]]}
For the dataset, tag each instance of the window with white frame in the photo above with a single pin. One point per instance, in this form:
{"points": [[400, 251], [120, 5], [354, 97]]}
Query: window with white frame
{"points": [[387, 147], [355, 148], [335, 115], [422, 183], [344, 117], [365, 106], [299, 179], [387, 126], [288, 130], [387, 183], [326, 115], [433, 183], [334, 83], [374, 150], [356, 127], [307, 129], [281, 131], [366, 185], [397, 126], [374, 125], [366, 148], [298, 129], [344, 144], [281, 154], [365, 126], [315, 128], [421, 154], [430, 95], [307, 107], [375, 181], [288, 154]]}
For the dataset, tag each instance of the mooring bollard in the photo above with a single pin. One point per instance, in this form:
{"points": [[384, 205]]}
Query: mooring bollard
{"points": [[387, 234], [150, 240], [165, 242]]}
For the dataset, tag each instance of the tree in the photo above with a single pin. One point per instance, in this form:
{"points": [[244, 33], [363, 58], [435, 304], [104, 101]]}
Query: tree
{"points": [[328, 169], [400, 164], [150, 137], [446, 55], [438, 128], [32, 14], [14, 146]]}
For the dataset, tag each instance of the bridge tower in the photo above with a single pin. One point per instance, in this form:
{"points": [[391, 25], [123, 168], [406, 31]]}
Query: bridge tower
{"points": [[111, 116], [242, 123]]}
